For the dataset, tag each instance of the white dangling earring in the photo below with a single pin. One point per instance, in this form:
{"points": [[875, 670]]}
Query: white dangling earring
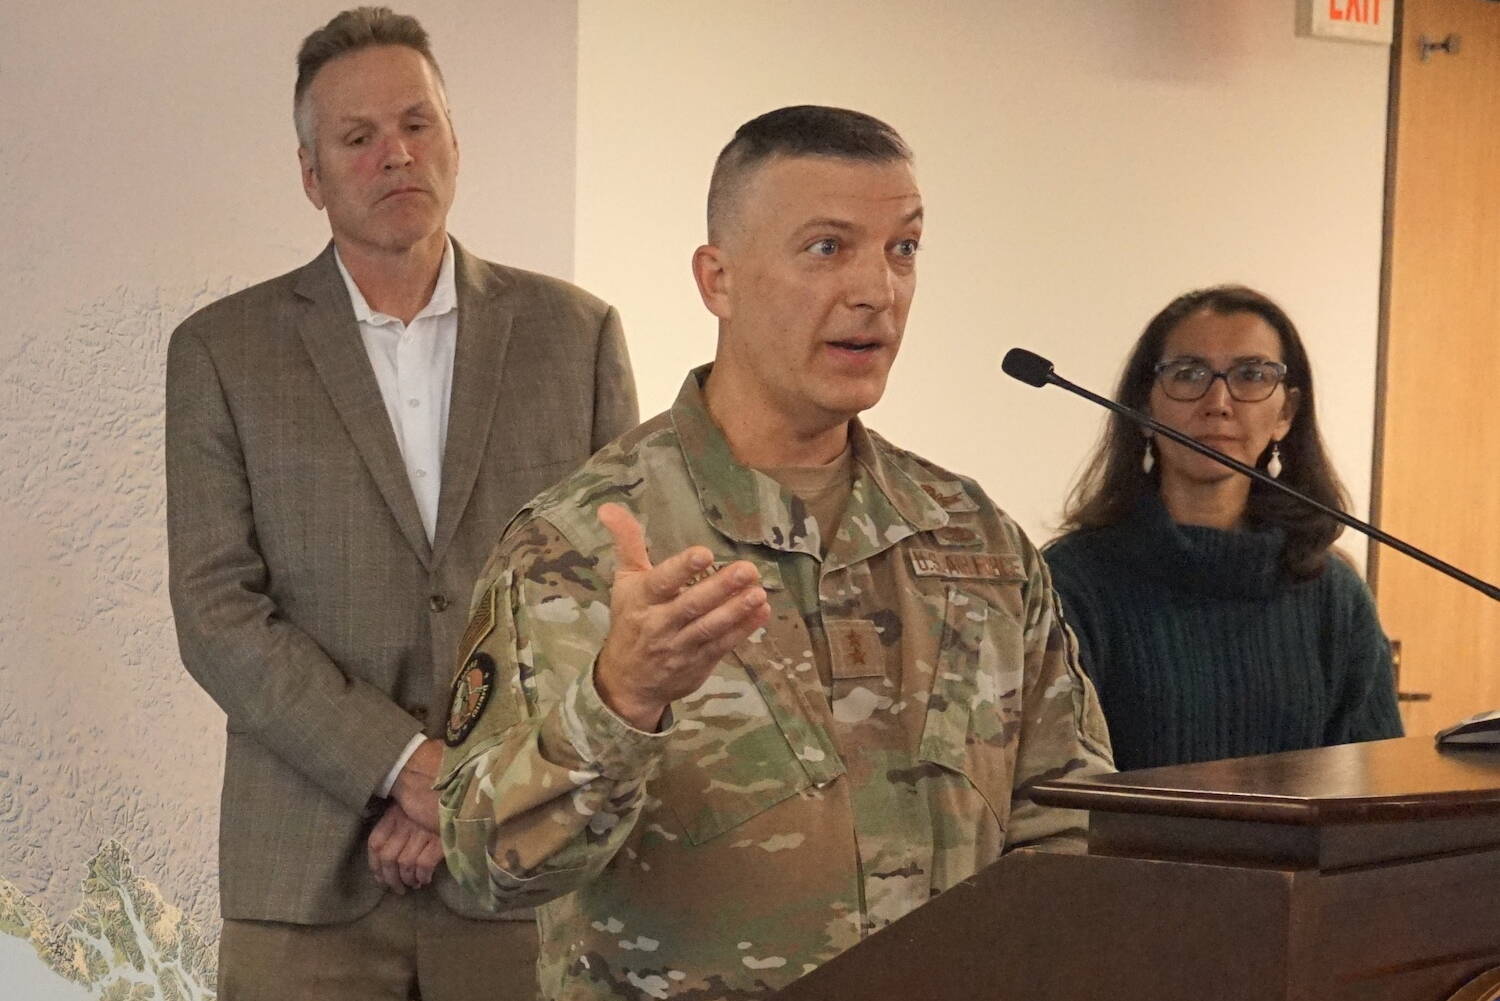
{"points": [[1273, 465], [1148, 461]]}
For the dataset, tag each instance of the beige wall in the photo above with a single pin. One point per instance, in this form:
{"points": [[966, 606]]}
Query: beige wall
{"points": [[1082, 162], [147, 167]]}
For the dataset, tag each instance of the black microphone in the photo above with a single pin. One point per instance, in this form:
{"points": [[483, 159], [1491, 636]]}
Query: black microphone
{"points": [[1034, 370]]}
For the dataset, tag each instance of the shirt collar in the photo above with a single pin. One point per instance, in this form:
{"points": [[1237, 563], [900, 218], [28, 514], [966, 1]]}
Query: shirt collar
{"points": [[444, 293], [886, 504]]}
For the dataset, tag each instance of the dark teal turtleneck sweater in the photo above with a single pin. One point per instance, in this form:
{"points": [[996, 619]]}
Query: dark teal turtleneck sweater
{"points": [[1202, 647]]}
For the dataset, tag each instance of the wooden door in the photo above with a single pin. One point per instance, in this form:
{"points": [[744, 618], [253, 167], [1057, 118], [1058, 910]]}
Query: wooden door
{"points": [[1438, 453]]}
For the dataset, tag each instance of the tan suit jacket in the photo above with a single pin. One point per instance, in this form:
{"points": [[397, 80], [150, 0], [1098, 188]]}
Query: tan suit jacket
{"points": [[308, 601]]}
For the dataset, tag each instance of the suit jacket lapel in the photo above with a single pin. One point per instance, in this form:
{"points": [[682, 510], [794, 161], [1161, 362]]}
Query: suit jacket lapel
{"points": [[484, 326], [331, 335]]}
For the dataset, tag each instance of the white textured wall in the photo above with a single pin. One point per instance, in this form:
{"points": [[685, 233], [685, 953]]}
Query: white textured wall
{"points": [[1082, 162], [148, 166]]}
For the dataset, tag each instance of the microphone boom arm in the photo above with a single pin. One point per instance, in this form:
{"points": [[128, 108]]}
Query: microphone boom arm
{"points": [[1342, 518]]}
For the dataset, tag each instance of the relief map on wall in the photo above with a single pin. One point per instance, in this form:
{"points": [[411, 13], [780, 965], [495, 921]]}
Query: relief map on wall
{"points": [[110, 755], [122, 943]]}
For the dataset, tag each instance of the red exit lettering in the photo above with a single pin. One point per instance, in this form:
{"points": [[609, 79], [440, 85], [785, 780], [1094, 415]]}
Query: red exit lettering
{"points": [[1358, 11]]}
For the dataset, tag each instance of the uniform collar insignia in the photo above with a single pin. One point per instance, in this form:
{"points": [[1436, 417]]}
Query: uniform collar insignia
{"points": [[886, 505]]}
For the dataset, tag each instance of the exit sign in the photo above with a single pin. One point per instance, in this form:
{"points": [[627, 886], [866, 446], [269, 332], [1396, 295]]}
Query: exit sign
{"points": [[1347, 20]]}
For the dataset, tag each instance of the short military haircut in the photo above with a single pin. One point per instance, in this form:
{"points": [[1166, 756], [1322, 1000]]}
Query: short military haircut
{"points": [[350, 31], [801, 130]]}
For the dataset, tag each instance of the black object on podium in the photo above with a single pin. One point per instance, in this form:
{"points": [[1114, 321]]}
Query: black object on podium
{"points": [[1367, 872]]}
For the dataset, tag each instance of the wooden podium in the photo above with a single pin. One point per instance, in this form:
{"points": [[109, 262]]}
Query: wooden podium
{"points": [[1369, 872]]}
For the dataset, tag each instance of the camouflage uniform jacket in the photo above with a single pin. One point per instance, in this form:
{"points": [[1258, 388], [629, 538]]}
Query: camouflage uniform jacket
{"points": [[771, 822]]}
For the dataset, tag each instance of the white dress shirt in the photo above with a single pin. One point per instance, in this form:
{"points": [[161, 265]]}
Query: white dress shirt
{"points": [[413, 365]]}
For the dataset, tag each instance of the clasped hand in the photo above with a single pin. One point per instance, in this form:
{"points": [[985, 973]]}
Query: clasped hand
{"points": [[402, 853], [404, 849]]}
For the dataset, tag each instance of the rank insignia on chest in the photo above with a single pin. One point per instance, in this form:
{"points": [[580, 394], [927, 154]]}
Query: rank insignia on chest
{"points": [[854, 648], [957, 535], [966, 566], [471, 693]]}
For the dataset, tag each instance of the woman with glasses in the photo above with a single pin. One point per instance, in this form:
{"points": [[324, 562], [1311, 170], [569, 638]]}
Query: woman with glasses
{"points": [[1209, 610]]}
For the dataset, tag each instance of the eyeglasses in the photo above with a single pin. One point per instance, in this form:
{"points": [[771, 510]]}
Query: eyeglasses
{"points": [[1187, 379]]}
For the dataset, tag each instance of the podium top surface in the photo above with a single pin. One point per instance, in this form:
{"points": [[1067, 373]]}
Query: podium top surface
{"points": [[1407, 778]]}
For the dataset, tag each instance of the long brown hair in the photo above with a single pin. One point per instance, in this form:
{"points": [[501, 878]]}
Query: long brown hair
{"points": [[1113, 482]]}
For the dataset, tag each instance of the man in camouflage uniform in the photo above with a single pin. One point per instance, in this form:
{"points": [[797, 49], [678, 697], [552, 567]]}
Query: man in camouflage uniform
{"points": [[754, 683]]}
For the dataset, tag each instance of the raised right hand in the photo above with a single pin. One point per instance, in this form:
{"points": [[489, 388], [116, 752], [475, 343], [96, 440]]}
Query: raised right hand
{"points": [[667, 633]]}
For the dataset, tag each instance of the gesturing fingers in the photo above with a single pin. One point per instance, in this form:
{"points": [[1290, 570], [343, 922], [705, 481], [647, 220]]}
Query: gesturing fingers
{"points": [[683, 581], [670, 621], [629, 539], [696, 629], [714, 634], [694, 603], [658, 584]]}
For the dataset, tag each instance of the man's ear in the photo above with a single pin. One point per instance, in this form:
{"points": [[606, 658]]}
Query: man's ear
{"points": [[712, 273], [310, 185]]}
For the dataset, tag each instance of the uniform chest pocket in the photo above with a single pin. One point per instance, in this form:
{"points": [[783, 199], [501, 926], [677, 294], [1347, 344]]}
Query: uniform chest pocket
{"points": [[729, 759], [973, 719]]}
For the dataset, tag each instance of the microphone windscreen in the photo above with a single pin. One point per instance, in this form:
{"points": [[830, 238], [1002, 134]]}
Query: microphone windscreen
{"points": [[1032, 369]]}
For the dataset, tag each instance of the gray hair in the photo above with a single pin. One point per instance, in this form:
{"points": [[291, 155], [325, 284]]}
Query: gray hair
{"points": [[350, 31]]}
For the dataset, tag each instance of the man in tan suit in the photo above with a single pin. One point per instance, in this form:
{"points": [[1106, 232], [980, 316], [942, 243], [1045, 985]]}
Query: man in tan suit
{"points": [[344, 445]]}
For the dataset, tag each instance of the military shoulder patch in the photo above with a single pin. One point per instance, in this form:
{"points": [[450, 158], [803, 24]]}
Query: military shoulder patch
{"points": [[966, 566], [471, 693]]}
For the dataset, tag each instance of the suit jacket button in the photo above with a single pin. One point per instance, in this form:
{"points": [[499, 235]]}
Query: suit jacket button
{"points": [[419, 712], [438, 602]]}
